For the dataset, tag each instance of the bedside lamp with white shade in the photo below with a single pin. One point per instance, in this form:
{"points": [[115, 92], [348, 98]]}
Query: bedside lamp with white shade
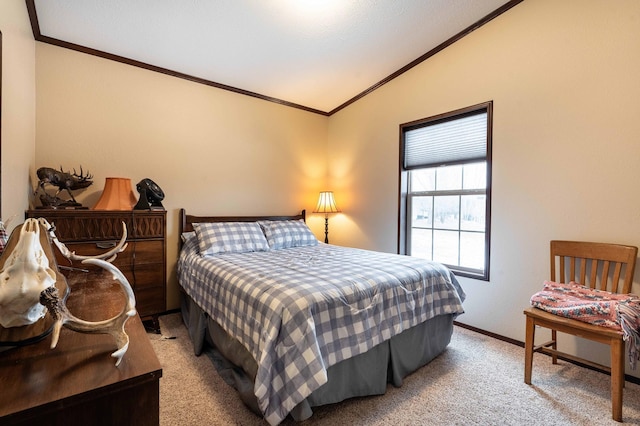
{"points": [[326, 205]]}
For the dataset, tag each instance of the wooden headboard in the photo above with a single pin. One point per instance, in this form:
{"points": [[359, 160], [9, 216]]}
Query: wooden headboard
{"points": [[187, 220]]}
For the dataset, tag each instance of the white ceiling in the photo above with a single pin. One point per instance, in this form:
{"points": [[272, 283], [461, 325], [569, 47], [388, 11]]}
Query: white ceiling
{"points": [[318, 54]]}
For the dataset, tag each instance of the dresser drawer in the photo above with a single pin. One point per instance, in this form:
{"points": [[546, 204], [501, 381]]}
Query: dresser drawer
{"points": [[140, 252], [95, 225], [147, 251], [150, 301], [147, 282], [147, 275]]}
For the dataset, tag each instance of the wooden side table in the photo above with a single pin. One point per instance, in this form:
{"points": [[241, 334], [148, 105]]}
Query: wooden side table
{"points": [[77, 383]]}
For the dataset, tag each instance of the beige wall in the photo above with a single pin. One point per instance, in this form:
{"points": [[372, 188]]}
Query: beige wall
{"points": [[18, 108], [563, 78], [566, 143], [211, 151]]}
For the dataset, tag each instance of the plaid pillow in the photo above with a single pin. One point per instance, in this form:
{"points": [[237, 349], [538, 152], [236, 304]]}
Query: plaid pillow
{"points": [[186, 236], [287, 233], [229, 237]]}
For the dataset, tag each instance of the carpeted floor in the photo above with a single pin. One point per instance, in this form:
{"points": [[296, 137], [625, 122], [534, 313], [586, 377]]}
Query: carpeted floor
{"points": [[478, 380]]}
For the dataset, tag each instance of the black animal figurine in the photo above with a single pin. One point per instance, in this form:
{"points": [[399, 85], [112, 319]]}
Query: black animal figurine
{"points": [[63, 181]]}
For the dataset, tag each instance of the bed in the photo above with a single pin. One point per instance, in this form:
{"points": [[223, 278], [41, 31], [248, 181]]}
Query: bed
{"points": [[306, 323]]}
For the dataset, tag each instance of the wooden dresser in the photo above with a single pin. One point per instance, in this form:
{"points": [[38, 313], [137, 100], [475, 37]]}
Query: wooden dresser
{"points": [[77, 382], [143, 262]]}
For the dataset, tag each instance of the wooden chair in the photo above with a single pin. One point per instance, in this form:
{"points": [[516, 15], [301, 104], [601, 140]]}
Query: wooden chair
{"points": [[599, 266]]}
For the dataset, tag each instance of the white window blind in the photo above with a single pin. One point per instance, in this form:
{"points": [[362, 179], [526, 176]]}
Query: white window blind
{"points": [[452, 141]]}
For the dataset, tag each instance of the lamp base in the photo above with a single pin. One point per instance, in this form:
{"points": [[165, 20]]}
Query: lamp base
{"points": [[326, 229]]}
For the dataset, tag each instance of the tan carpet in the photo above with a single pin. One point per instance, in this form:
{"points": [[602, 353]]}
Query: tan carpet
{"points": [[478, 380]]}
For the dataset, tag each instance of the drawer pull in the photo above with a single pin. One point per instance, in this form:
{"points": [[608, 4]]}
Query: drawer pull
{"points": [[106, 245]]}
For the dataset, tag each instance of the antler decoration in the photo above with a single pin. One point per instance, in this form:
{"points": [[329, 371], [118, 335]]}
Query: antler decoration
{"points": [[58, 309], [114, 326], [109, 256], [27, 286]]}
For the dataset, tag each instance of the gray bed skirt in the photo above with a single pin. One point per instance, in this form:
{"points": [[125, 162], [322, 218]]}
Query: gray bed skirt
{"points": [[363, 375]]}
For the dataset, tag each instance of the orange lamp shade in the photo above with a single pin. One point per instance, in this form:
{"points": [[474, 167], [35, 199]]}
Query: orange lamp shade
{"points": [[117, 195]]}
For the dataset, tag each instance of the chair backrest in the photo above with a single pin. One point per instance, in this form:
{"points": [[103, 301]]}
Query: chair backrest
{"points": [[599, 266]]}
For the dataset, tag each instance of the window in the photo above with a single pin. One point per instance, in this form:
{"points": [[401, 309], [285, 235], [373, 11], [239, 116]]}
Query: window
{"points": [[445, 189]]}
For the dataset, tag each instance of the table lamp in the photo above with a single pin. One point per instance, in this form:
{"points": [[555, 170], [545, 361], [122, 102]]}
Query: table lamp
{"points": [[326, 205], [117, 195]]}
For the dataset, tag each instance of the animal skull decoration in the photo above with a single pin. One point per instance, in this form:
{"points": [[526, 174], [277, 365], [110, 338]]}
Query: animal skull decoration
{"points": [[27, 287], [25, 275]]}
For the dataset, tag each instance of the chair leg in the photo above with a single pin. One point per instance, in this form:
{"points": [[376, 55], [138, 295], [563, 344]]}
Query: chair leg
{"points": [[530, 334], [554, 346], [617, 378]]}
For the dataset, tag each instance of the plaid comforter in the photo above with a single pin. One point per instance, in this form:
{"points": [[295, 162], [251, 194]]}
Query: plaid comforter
{"points": [[300, 310]]}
